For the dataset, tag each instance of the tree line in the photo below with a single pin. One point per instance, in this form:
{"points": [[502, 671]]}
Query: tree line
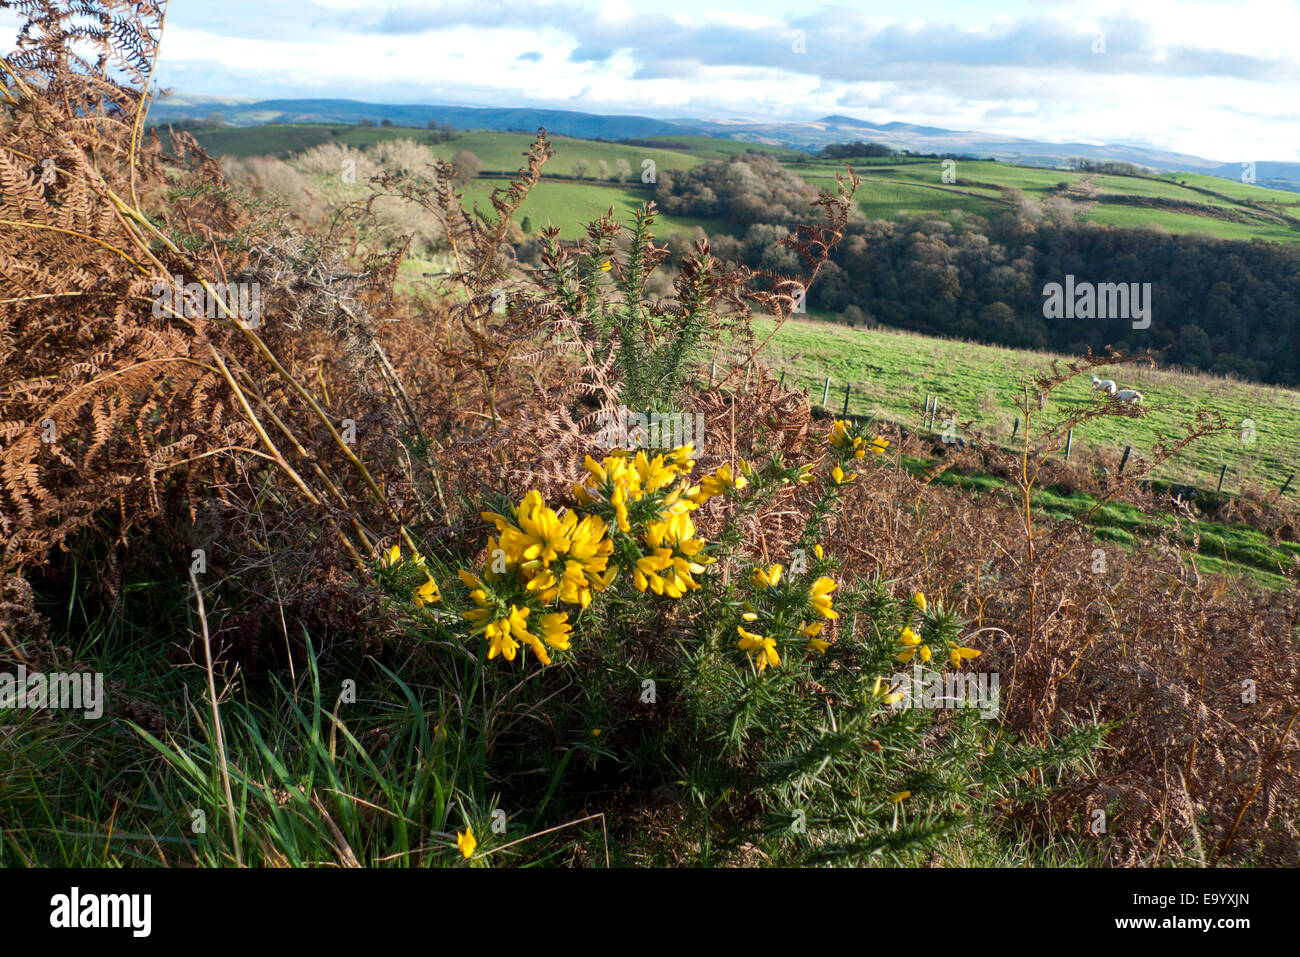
{"points": [[1216, 305]]}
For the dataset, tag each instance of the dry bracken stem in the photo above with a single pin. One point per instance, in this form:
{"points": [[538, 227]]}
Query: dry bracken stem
{"points": [[72, 232], [1259, 783]]}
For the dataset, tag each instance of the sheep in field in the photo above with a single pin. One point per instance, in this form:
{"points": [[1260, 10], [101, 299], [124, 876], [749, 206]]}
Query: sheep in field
{"points": [[1124, 395]]}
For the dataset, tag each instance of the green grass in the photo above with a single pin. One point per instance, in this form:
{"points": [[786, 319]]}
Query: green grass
{"points": [[891, 373], [570, 206], [1140, 186], [497, 150], [1033, 180], [1239, 190], [892, 187], [880, 199], [1139, 217], [916, 187]]}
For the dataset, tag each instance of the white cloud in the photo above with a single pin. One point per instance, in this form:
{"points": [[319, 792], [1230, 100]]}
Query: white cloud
{"points": [[1219, 79]]}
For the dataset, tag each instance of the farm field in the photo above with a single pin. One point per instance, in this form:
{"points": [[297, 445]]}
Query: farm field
{"points": [[499, 151], [890, 374], [891, 187], [1138, 217]]}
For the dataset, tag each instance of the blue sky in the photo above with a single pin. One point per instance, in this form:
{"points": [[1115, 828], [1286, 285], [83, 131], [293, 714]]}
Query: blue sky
{"points": [[1219, 79]]}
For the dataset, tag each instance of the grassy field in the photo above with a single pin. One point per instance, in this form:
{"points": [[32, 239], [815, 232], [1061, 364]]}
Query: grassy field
{"points": [[571, 206], [498, 151], [891, 187], [714, 147], [890, 374], [1138, 217], [983, 187]]}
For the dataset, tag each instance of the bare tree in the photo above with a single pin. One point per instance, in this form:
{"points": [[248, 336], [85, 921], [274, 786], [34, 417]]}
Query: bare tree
{"points": [[467, 166]]}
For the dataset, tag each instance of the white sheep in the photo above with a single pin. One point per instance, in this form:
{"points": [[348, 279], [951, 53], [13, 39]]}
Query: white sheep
{"points": [[1124, 395]]}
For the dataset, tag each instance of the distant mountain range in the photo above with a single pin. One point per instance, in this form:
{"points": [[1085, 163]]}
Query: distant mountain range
{"points": [[809, 136]]}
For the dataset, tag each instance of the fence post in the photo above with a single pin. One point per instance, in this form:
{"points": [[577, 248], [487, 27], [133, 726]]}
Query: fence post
{"points": [[1069, 440], [713, 372], [1221, 471], [926, 414], [826, 391], [781, 382], [847, 387], [1287, 484], [1124, 460]]}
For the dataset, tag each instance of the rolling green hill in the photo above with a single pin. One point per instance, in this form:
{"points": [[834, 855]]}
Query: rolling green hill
{"points": [[1179, 203], [891, 187]]}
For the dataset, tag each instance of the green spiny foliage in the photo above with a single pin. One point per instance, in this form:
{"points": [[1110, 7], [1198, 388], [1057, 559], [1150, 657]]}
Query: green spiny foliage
{"points": [[653, 342]]}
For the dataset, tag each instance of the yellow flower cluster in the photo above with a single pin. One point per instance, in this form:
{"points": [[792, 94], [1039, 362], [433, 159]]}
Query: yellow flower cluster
{"points": [[912, 644], [424, 594], [560, 557], [650, 500], [540, 557], [505, 632], [556, 558], [843, 439], [763, 648]]}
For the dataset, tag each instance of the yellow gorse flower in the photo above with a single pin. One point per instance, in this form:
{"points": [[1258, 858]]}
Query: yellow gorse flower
{"points": [[841, 477], [560, 557], [957, 654], [912, 645], [768, 577], [423, 594], [465, 842], [427, 593], [667, 570], [840, 437], [820, 593], [811, 630], [717, 483], [673, 550], [919, 598], [760, 648], [882, 689]]}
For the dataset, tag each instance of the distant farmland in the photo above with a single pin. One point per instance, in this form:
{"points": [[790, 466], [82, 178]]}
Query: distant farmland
{"points": [[1176, 203]]}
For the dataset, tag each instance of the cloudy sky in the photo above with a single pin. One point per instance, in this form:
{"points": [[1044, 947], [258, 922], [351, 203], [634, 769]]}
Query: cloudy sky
{"points": [[1218, 79]]}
